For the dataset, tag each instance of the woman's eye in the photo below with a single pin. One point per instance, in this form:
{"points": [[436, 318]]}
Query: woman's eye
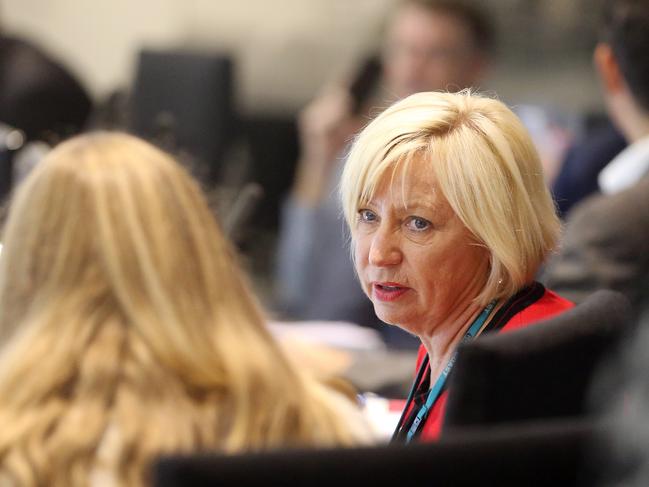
{"points": [[418, 224], [366, 216]]}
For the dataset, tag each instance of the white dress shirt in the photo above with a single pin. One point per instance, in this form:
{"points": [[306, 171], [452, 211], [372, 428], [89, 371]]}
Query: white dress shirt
{"points": [[626, 168]]}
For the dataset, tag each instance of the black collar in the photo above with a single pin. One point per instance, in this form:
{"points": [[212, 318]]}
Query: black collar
{"points": [[517, 303]]}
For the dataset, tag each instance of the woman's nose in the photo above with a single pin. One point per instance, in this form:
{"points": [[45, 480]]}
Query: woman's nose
{"points": [[384, 250]]}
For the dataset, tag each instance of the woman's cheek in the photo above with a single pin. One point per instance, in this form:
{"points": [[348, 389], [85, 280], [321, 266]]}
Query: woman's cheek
{"points": [[360, 263]]}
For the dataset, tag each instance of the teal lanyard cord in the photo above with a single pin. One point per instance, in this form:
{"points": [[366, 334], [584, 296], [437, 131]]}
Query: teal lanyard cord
{"points": [[436, 390]]}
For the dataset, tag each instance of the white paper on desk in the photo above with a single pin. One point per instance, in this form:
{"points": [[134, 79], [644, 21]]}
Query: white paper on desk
{"points": [[382, 418], [337, 334]]}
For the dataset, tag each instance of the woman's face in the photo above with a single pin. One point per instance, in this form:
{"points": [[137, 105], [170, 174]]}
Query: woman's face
{"points": [[416, 260]]}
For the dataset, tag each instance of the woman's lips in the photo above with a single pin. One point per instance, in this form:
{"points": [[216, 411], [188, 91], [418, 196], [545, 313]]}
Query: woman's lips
{"points": [[388, 291]]}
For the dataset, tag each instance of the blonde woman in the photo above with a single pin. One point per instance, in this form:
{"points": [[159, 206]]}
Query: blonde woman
{"points": [[450, 221], [128, 330]]}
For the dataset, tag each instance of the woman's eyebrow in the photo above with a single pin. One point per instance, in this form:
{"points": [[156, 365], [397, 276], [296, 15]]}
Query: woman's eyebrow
{"points": [[367, 203], [421, 203]]}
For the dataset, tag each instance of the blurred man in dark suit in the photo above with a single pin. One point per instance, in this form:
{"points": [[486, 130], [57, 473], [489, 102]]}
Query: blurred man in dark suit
{"points": [[606, 241]]}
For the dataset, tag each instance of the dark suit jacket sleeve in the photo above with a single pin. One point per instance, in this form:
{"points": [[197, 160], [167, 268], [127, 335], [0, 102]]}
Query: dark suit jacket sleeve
{"points": [[605, 245]]}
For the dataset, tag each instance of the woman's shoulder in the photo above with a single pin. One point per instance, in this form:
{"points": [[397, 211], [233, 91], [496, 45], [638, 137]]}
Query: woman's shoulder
{"points": [[553, 301], [548, 304]]}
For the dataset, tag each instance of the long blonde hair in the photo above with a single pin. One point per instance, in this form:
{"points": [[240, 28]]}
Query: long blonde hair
{"points": [[487, 169], [122, 309]]}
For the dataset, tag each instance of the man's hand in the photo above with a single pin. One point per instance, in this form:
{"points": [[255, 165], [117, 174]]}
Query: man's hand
{"points": [[326, 125]]}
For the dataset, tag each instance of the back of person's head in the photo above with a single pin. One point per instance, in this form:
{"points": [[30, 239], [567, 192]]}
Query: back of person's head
{"points": [[436, 45], [625, 27], [486, 167], [128, 329]]}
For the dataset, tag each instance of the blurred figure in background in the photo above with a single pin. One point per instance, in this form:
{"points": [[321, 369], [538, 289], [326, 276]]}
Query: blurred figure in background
{"points": [[429, 45], [40, 100], [128, 331], [38, 95], [606, 239], [578, 171]]}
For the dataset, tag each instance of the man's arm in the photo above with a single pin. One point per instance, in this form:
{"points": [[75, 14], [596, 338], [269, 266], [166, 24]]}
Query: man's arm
{"points": [[605, 245]]}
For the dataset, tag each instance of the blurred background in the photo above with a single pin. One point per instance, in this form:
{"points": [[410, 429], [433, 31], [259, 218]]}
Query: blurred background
{"points": [[221, 85], [284, 50], [235, 75]]}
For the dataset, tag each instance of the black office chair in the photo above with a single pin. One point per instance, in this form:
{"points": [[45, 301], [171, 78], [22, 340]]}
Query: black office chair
{"points": [[533, 456], [273, 145], [540, 372], [517, 415], [183, 101]]}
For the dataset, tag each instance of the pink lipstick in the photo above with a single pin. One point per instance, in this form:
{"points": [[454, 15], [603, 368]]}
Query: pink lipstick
{"points": [[388, 291]]}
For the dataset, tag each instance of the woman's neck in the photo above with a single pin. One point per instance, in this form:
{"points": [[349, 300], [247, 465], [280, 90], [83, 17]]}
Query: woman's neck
{"points": [[441, 344]]}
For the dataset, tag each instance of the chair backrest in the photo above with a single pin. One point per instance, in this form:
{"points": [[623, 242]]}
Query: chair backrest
{"points": [[543, 371], [273, 145], [532, 456], [184, 102]]}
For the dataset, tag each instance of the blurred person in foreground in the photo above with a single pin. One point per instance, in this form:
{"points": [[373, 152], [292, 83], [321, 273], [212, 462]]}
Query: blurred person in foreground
{"points": [[606, 240], [128, 331], [450, 220], [428, 45]]}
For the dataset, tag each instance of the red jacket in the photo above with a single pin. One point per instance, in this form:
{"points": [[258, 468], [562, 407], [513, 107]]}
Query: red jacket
{"points": [[547, 305]]}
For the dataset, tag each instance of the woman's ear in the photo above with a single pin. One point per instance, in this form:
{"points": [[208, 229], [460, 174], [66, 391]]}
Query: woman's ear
{"points": [[608, 68]]}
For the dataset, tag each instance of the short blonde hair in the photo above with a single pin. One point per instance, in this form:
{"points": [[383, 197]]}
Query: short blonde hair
{"points": [[122, 308], [486, 166]]}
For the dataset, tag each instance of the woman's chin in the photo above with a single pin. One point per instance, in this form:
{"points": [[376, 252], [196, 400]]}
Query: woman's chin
{"points": [[390, 317]]}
